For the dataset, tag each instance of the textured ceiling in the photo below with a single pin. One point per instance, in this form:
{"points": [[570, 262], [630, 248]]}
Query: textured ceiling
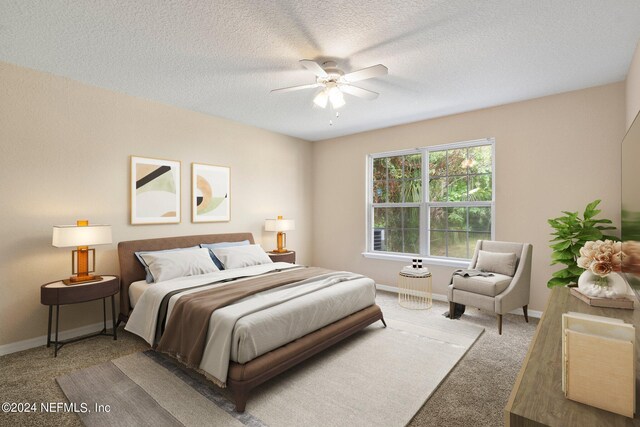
{"points": [[223, 57]]}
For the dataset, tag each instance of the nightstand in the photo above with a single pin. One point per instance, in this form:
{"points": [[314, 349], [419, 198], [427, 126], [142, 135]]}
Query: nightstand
{"points": [[57, 293], [289, 256]]}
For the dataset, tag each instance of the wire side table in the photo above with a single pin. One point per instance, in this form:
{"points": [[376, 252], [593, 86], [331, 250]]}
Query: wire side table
{"points": [[414, 292]]}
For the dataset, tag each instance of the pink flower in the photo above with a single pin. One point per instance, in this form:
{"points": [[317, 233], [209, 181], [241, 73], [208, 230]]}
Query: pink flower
{"points": [[584, 262], [601, 268], [617, 247]]}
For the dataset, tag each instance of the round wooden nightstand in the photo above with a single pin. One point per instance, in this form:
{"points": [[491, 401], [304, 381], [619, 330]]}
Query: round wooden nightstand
{"points": [[57, 293], [289, 256]]}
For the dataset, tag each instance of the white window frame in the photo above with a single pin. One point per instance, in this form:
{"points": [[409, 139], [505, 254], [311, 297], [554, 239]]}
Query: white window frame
{"points": [[424, 204]]}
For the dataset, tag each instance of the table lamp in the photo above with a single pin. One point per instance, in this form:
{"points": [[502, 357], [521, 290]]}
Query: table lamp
{"points": [[82, 235], [280, 225]]}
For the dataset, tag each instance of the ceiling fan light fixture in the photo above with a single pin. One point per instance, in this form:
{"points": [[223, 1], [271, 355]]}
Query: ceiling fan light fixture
{"points": [[333, 82], [336, 97], [321, 99]]}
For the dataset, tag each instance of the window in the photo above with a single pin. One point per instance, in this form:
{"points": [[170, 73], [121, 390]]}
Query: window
{"points": [[434, 201]]}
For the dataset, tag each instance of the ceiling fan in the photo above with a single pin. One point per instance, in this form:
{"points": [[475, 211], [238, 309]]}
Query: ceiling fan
{"points": [[334, 82]]}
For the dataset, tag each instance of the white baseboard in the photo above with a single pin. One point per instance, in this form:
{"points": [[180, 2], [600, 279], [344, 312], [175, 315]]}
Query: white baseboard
{"points": [[443, 298], [42, 340]]}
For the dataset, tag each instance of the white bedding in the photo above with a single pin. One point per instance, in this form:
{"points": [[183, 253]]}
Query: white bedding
{"points": [[220, 338], [263, 331], [286, 313], [143, 319], [136, 289]]}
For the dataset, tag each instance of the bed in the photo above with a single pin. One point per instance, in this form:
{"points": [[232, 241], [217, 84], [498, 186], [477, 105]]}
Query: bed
{"points": [[299, 312]]}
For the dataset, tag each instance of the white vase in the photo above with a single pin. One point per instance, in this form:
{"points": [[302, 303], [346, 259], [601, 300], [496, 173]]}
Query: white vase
{"points": [[592, 285]]}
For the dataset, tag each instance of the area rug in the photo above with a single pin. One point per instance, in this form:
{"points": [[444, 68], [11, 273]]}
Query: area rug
{"points": [[378, 377]]}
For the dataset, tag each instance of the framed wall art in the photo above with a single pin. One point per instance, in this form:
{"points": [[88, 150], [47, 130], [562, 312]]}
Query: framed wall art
{"points": [[155, 191], [209, 193]]}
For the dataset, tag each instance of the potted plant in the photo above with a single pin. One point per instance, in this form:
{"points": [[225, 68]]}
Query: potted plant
{"points": [[571, 233]]}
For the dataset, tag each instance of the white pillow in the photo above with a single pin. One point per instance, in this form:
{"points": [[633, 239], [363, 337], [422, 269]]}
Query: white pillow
{"points": [[169, 265], [497, 262], [242, 256]]}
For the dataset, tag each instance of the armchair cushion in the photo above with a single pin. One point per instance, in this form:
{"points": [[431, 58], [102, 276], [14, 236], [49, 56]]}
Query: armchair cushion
{"points": [[497, 262], [489, 286]]}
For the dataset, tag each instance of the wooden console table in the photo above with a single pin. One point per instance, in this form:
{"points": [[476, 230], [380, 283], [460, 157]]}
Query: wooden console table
{"points": [[537, 398]]}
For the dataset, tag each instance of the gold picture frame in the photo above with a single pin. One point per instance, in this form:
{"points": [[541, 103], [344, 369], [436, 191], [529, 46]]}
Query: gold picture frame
{"points": [[154, 191], [210, 193]]}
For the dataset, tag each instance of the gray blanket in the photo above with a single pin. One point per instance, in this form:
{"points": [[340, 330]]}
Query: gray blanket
{"points": [[470, 273]]}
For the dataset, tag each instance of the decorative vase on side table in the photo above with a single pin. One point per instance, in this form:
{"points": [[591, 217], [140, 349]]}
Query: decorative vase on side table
{"points": [[610, 286], [600, 285]]}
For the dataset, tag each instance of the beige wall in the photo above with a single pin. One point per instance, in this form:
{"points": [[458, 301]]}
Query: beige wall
{"points": [[65, 147], [64, 153], [633, 87], [554, 153]]}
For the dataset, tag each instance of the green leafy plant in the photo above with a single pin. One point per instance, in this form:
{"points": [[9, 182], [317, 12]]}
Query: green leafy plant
{"points": [[571, 232]]}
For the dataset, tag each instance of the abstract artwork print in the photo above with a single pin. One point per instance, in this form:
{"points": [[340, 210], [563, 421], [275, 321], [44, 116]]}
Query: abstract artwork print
{"points": [[209, 193], [155, 191]]}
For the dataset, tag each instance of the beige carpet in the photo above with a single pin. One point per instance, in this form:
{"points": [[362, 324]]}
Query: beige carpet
{"points": [[379, 377], [474, 393]]}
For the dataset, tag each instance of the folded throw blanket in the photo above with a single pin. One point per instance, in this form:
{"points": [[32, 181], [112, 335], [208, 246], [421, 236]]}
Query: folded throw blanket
{"points": [[471, 273]]}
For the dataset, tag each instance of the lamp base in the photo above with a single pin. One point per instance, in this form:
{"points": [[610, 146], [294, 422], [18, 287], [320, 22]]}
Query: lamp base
{"points": [[280, 251], [281, 241], [76, 280]]}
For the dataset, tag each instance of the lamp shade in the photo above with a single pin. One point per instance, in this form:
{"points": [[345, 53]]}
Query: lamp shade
{"points": [[65, 236], [279, 225], [321, 99]]}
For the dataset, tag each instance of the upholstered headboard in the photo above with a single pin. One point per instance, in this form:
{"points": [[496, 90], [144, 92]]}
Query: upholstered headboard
{"points": [[131, 270]]}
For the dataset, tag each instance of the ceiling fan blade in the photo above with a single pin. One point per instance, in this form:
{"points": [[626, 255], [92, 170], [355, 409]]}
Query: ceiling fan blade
{"points": [[358, 91], [366, 73], [293, 88], [314, 67]]}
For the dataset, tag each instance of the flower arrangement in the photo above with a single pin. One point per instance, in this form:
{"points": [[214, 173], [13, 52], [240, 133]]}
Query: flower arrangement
{"points": [[601, 257]]}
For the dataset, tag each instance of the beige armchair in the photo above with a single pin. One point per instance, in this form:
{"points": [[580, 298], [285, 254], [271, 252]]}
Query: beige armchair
{"points": [[499, 293]]}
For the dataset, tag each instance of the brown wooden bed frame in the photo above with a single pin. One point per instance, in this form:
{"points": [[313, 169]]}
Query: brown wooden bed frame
{"points": [[242, 377]]}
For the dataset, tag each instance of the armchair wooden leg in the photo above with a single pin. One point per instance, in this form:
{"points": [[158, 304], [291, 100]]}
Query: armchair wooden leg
{"points": [[452, 309], [526, 314], [500, 324]]}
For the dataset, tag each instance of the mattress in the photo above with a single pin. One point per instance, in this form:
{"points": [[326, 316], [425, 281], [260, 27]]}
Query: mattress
{"points": [[136, 289]]}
